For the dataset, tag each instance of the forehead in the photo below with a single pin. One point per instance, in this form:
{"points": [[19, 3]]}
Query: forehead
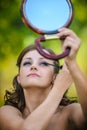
{"points": [[34, 54]]}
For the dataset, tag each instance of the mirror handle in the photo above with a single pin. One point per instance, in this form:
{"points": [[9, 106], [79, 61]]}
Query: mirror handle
{"points": [[49, 56]]}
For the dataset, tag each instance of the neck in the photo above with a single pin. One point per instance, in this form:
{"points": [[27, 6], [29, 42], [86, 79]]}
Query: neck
{"points": [[34, 97]]}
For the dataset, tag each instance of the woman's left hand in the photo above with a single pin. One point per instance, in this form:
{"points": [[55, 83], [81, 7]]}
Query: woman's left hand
{"points": [[70, 40]]}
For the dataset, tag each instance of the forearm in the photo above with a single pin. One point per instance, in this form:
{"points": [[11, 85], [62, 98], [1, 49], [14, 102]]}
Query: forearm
{"points": [[41, 116], [80, 83]]}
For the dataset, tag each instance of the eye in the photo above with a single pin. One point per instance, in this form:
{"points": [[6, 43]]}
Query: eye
{"points": [[44, 63], [28, 63]]}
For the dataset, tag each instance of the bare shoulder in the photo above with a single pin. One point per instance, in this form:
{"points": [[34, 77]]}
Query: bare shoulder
{"points": [[75, 109], [8, 108], [10, 117], [75, 114]]}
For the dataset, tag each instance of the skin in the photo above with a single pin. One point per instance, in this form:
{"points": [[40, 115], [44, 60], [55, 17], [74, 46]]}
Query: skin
{"points": [[44, 90]]}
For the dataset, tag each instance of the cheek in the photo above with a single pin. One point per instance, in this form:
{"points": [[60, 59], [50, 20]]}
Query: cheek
{"points": [[23, 72], [48, 75], [22, 75]]}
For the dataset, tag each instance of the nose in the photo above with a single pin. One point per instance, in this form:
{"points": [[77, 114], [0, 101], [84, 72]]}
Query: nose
{"points": [[33, 68]]}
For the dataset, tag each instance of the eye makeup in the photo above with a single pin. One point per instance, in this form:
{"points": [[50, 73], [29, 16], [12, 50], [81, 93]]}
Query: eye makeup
{"points": [[54, 65], [60, 67]]}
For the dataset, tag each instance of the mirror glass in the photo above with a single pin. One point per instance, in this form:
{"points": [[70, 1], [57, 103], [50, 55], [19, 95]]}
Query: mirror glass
{"points": [[47, 16]]}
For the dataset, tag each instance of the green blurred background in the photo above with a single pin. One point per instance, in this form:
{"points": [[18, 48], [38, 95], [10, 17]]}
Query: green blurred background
{"points": [[14, 36]]}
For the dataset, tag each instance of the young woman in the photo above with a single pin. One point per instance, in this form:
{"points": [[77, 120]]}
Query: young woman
{"points": [[38, 101]]}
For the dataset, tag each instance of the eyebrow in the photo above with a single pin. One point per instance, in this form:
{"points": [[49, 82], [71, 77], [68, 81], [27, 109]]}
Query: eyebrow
{"points": [[27, 58]]}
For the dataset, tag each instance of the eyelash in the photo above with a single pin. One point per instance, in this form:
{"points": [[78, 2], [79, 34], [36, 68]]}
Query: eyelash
{"points": [[41, 63], [27, 63], [44, 63]]}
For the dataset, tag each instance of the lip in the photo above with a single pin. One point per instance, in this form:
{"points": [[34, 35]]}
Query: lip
{"points": [[33, 75]]}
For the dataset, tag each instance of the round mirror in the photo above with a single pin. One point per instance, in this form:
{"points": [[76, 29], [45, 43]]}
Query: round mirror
{"points": [[47, 16]]}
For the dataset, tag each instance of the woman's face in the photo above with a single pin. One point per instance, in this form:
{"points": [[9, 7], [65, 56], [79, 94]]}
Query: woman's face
{"points": [[34, 71]]}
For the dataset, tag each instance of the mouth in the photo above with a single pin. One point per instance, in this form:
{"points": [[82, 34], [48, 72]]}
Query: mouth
{"points": [[33, 75]]}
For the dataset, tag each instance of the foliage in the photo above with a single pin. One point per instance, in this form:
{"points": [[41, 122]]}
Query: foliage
{"points": [[13, 31], [14, 35]]}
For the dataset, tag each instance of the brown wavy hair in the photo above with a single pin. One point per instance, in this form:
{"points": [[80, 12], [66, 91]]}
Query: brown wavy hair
{"points": [[16, 96]]}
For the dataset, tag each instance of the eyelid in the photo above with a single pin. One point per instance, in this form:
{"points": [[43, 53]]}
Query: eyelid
{"points": [[46, 63], [42, 62], [60, 67], [26, 62]]}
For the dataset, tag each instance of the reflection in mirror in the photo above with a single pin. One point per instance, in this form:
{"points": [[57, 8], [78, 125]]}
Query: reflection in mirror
{"points": [[47, 16]]}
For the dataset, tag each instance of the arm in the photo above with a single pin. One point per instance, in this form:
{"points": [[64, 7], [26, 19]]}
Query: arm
{"points": [[39, 119], [81, 85], [79, 79]]}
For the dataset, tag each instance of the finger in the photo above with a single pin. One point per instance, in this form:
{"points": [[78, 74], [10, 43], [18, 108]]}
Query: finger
{"points": [[67, 43], [64, 32], [72, 44]]}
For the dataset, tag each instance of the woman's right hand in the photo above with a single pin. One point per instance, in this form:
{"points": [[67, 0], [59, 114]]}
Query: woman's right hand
{"points": [[63, 80]]}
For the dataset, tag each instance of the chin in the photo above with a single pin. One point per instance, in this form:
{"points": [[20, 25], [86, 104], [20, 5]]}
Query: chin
{"points": [[35, 83], [32, 84]]}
